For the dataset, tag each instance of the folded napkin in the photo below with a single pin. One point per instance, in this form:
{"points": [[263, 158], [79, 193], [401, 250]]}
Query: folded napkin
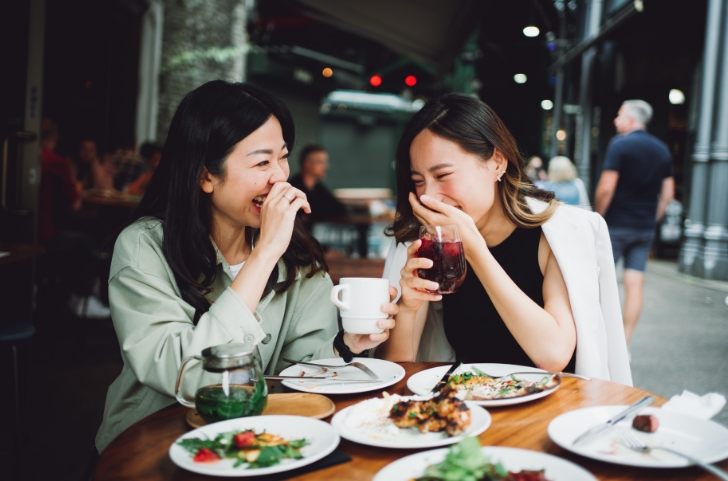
{"points": [[703, 407]]}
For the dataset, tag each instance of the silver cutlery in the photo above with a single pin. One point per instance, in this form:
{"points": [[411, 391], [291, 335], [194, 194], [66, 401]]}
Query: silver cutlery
{"points": [[630, 440], [319, 378], [563, 374], [443, 381], [633, 409], [354, 364]]}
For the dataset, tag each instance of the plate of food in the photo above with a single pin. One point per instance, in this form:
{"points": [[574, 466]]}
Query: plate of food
{"points": [[254, 446], [475, 383], [411, 422], [388, 373], [702, 439], [467, 460]]}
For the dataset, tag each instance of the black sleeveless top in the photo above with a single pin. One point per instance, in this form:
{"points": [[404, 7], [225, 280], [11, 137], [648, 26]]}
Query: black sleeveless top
{"points": [[472, 324]]}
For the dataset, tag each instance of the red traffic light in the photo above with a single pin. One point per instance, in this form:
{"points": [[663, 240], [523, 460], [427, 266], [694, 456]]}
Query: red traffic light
{"points": [[410, 80], [375, 80]]}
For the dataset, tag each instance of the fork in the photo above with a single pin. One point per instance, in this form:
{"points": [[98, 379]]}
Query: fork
{"points": [[563, 374], [355, 364], [631, 441]]}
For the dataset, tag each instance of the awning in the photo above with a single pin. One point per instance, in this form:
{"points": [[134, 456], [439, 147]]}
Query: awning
{"points": [[431, 31]]}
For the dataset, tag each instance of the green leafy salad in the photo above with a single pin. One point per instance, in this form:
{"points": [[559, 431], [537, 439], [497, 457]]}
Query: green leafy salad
{"points": [[466, 462], [246, 447]]}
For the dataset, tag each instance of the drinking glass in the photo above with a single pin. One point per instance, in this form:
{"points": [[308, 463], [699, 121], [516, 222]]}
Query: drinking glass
{"points": [[442, 244]]}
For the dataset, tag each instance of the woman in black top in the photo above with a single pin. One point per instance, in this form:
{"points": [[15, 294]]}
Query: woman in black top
{"points": [[458, 164]]}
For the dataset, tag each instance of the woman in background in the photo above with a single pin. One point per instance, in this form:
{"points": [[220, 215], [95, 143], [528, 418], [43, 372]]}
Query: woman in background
{"points": [[564, 183]]}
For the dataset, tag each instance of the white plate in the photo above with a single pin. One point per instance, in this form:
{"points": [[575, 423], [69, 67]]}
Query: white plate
{"points": [[388, 373], [513, 459], [705, 440], [409, 438], [423, 382], [321, 436]]}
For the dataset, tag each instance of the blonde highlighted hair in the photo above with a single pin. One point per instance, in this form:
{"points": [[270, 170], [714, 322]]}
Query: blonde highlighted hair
{"points": [[561, 169]]}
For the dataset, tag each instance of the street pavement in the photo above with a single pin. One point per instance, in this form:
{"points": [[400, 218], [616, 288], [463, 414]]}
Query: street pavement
{"points": [[681, 340]]}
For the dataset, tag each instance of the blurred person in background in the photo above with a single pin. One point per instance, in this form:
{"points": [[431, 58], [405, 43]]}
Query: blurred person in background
{"points": [[534, 169], [68, 250], [58, 192], [564, 183], [151, 153], [633, 192], [92, 172], [314, 161], [129, 166]]}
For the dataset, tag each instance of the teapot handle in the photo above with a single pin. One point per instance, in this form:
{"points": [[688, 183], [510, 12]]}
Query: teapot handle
{"points": [[177, 386]]}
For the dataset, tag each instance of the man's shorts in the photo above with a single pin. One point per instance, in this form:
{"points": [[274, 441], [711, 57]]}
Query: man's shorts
{"points": [[634, 244]]}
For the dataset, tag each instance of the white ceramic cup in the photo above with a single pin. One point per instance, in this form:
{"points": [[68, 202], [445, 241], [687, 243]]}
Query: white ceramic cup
{"points": [[361, 303]]}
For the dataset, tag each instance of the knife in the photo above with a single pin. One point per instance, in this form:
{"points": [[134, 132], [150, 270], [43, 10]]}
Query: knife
{"points": [[319, 378], [441, 383], [633, 409]]}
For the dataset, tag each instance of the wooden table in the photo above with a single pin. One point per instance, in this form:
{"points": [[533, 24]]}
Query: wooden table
{"points": [[140, 452], [121, 200], [19, 252]]}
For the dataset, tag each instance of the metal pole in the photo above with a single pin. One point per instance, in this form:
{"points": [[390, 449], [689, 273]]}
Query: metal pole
{"points": [[715, 257], [559, 90], [33, 113], [582, 150], [692, 248]]}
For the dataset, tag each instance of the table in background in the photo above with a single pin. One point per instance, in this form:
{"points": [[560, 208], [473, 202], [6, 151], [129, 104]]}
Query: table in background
{"points": [[141, 452]]}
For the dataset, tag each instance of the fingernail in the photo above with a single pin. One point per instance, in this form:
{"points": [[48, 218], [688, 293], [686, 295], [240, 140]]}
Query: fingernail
{"points": [[434, 286], [425, 198], [438, 297]]}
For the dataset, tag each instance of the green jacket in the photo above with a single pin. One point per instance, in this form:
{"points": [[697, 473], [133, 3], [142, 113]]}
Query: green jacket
{"points": [[156, 333]]}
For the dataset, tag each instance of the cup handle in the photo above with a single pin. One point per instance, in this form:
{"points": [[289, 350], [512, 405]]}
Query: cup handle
{"points": [[178, 385], [335, 296]]}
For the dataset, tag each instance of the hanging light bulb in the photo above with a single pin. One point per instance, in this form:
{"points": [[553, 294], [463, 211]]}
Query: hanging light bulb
{"points": [[677, 97], [531, 31]]}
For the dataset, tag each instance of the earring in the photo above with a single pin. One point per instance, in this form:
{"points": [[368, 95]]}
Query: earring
{"points": [[502, 173]]}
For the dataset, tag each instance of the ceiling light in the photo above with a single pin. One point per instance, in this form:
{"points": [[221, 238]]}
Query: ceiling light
{"points": [[677, 97], [531, 31], [547, 104], [561, 135], [520, 78]]}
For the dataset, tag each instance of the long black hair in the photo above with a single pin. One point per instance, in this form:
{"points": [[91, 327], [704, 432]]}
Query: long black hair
{"points": [[207, 125]]}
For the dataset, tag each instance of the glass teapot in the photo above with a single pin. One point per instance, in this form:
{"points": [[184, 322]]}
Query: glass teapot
{"points": [[235, 386]]}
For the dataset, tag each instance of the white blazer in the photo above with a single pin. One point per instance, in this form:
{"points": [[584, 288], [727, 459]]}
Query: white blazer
{"points": [[580, 242]]}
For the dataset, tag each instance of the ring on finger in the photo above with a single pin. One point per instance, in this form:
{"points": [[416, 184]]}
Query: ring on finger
{"points": [[286, 197]]}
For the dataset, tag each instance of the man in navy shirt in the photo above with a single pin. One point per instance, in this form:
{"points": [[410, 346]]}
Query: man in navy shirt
{"points": [[633, 192]]}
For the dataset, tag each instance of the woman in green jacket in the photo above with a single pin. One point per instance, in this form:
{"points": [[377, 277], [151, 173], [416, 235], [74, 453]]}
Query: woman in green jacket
{"points": [[216, 255]]}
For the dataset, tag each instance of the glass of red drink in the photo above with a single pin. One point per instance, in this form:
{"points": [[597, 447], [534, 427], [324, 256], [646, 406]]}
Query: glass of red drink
{"points": [[442, 244]]}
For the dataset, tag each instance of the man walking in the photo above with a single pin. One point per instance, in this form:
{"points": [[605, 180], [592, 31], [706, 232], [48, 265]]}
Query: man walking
{"points": [[633, 192]]}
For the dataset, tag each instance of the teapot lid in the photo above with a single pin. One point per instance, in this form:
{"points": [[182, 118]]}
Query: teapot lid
{"points": [[229, 356]]}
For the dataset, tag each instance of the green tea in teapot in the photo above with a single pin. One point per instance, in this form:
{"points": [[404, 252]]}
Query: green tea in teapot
{"points": [[214, 404]]}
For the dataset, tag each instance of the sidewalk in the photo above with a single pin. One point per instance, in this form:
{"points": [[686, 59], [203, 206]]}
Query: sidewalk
{"points": [[681, 340]]}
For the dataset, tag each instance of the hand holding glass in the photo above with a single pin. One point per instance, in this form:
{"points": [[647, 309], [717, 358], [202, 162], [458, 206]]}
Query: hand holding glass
{"points": [[442, 245]]}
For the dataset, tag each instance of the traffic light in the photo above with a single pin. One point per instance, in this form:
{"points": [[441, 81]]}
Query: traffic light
{"points": [[375, 80]]}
